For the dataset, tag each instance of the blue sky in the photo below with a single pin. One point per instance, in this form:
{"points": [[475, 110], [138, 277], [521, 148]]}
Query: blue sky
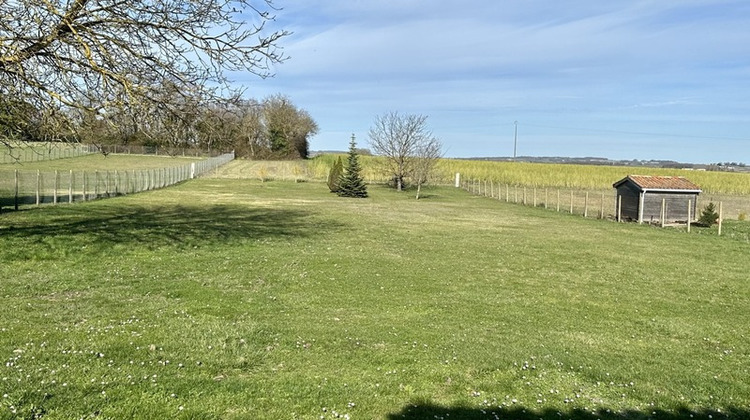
{"points": [[651, 79]]}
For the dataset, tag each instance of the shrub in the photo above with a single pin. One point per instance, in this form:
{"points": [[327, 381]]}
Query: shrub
{"points": [[742, 216], [334, 176]]}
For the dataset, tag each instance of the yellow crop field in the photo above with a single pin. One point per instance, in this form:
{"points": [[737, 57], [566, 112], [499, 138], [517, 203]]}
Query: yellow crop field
{"points": [[533, 175]]}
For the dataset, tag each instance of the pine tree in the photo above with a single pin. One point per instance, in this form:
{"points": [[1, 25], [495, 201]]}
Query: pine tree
{"points": [[334, 176], [709, 216], [352, 184]]}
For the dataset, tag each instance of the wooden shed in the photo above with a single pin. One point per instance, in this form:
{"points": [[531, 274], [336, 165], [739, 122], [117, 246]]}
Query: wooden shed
{"points": [[643, 198]]}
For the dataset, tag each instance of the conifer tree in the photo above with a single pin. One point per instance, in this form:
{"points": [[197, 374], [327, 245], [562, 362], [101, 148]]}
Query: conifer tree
{"points": [[334, 176], [352, 184]]}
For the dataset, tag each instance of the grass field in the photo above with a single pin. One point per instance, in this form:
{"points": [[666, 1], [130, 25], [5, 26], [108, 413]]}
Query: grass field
{"points": [[226, 298]]}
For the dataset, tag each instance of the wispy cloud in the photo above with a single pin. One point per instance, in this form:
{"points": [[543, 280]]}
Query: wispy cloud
{"points": [[476, 67]]}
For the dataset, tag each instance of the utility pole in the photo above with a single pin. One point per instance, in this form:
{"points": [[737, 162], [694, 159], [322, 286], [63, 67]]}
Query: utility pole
{"points": [[515, 139]]}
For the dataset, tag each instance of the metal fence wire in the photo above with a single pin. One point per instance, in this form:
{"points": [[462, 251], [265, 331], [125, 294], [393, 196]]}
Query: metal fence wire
{"points": [[21, 188]]}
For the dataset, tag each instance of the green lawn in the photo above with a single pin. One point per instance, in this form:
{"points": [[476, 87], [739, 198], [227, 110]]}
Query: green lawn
{"points": [[225, 298]]}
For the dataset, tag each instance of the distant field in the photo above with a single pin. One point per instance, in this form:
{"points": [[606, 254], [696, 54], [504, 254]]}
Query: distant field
{"points": [[233, 298], [549, 180]]}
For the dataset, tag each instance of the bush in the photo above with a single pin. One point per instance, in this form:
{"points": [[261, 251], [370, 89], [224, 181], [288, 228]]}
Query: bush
{"points": [[742, 216], [334, 176], [709, 216]]}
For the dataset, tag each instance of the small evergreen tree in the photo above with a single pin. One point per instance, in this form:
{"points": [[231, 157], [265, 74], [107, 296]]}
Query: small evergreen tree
{"points": [[334, 176], [352, 184], [709, 216]]}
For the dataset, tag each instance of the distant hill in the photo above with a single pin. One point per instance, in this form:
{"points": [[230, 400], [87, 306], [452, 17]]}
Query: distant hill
{"points": [[590, 160]]}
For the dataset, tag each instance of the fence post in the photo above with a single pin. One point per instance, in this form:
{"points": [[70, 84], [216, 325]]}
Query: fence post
{"points": [[690, 209], [546, 198], [586, 206], [56, 184], [15, 195], [534, 199], [721, 217], [571, 201], [507, 193], [458, 179], [192, 170], [38, 186], [558, 201], [663, 212], [70, 187], [83, 185], [619, 208], [601, 209]]}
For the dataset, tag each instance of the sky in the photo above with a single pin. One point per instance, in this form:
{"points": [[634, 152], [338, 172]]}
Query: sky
{"points": [[650, 79]]}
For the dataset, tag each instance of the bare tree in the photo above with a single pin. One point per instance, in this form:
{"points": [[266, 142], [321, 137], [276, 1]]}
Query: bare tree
{"points": [[402, 139], [427, 155], [99, 55]]}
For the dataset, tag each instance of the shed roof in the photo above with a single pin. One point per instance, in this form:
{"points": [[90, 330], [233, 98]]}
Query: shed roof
{"points": [[649, 182]]}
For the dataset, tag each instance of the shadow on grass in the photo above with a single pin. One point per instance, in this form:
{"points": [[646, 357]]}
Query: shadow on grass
{"points": [[175, 226], [431, 411]]}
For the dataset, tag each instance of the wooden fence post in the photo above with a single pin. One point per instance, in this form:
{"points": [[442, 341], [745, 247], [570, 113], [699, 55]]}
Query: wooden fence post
{"points": [[558, 201], [619, 208], [70, 187], [721, 217], [586, 206], [534, 196], [571, 201], [601, 209], [663, 210], [84, 186], [690, 216], [546, 198]]}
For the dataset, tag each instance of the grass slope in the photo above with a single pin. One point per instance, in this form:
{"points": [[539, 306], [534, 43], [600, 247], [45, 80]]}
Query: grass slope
{"points": [[239, 299]]}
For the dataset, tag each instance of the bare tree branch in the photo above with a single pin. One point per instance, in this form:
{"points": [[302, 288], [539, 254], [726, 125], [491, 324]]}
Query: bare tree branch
{"points": [[105, 55]]}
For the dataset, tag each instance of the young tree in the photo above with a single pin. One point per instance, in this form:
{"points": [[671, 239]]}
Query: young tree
{"points": [[103, 55], [334, 176], [352, 184], [399, 138], [709, 216], [426, 157]]}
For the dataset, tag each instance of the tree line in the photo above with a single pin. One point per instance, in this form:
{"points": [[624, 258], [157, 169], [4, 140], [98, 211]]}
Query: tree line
{"points": [[272, 128]]}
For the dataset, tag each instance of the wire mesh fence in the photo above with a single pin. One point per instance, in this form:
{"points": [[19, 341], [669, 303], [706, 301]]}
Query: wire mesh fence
{"points": [[21, 188], [37, 152], [592, 203]]}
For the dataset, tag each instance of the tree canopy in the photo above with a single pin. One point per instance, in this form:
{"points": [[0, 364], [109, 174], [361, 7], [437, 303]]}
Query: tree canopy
{"points": [[75, 59]]}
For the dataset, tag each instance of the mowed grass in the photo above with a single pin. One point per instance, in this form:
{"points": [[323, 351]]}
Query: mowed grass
{"points": [[238, 299]]}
